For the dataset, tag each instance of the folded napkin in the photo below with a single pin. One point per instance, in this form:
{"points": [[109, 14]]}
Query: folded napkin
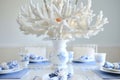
{"points": [[9, 65], [36, 57], [112, 65], [86, 58]]}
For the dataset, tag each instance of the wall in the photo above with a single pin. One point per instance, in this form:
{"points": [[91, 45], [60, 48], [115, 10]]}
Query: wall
{"points": [[10, 35], [113, 52]]}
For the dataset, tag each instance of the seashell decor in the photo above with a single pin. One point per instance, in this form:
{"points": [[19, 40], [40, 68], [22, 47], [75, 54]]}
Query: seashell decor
{"points": [[60, 19]]}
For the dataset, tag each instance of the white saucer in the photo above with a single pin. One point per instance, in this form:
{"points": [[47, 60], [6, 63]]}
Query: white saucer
{"points": [[83, 61], [32, 60]]}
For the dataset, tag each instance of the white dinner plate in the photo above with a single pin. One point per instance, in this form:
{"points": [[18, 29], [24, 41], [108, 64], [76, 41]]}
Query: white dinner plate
{"points": [[32, 60], [82, 61], [11, 70], [108, 70]]}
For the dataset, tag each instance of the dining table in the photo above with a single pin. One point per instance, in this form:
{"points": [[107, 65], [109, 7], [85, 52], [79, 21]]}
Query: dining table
{"points": [[79, 70]]}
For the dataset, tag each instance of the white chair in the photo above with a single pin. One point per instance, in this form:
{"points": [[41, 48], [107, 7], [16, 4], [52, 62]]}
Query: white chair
{"points": [[84, 49]]}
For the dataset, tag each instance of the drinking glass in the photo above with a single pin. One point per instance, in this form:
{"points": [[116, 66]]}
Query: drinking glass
{"points": [[71, 54], [24, 58], [100, 59]]}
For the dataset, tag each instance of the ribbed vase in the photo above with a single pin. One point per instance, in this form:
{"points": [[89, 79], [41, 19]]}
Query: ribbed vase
{"points": [[59, 55]]}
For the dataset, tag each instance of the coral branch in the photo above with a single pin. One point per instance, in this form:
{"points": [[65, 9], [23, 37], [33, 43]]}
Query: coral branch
{"points": [[60, 19]]}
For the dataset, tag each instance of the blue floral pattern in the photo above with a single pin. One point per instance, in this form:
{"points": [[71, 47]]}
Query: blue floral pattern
{"points": [[12, 64], [112, 65], [61, 56], [35, 57], [55, 75], [25, 58], [9, 65]]}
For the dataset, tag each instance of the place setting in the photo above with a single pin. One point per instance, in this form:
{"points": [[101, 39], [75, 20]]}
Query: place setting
{"points": [[111, 68], [86, 55], [32, 57], [85, 59], [108, 72], [12, 70], [106, 69], [36, 58]]}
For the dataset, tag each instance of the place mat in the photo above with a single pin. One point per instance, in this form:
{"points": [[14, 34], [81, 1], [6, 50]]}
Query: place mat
{"points": [[15, 75], [106, 75]]}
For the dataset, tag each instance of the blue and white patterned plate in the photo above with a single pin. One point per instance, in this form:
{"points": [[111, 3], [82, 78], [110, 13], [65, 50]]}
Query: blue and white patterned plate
{"points": [[11, 70], [110, 70]]}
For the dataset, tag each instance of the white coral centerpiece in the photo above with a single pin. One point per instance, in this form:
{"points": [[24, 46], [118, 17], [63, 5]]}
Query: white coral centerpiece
{"points": [[60, 19]]}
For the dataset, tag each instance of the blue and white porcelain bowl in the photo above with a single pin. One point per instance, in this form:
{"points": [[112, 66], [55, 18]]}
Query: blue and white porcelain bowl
{"points": [[36, 57], [9, 65]]}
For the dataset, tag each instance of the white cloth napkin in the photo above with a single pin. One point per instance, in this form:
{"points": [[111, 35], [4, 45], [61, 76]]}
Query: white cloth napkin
{"points": [[86, 58], [36, 57], [8, 65], [112, 65]]}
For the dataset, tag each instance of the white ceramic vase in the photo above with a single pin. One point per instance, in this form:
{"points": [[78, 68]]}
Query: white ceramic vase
{"points": [[59, 55]]}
